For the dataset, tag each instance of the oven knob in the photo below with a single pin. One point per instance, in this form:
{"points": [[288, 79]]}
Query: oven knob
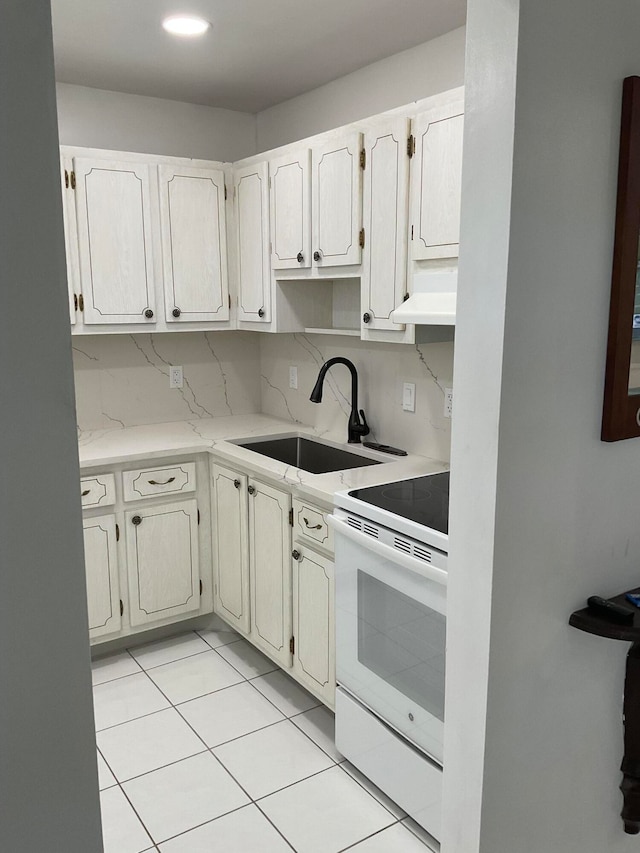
{"points": [[410, 716]]}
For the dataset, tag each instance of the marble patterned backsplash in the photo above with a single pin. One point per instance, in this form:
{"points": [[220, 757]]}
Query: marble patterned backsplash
{"points": [[123, 380], [382, 370]]}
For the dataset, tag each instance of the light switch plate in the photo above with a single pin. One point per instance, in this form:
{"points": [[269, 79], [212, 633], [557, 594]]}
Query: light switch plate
{"points": [[293, 376], [448, 402], [409, 397]]}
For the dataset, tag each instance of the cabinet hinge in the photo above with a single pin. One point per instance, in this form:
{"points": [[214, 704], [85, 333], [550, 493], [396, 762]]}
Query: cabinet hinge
{"points": [[291, 517], [411, 146], [198, 516], [66, 178], [292, 645], [225, 192], [362, 238], [117, 532], [200, 586], [75, 301], [121, 608], [81, 302], [363, 158], [73, 180]]}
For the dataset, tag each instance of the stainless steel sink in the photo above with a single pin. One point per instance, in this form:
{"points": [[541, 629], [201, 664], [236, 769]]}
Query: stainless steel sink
{"points": [[312, 456]]}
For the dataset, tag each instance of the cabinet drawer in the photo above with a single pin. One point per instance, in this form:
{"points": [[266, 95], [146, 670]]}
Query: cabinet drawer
{"points": [[99, 490], [310, 523], [164, 480]]}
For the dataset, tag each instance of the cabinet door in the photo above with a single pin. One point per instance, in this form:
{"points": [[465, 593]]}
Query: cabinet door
{"points": [[289, 184], [163, 567], [314, 625], [231, 547], [436, 176], [101, 566], [194, 244], [70, 239], [337, 201], [270, 570], [115, 241], [385, 217], [251, 191]]}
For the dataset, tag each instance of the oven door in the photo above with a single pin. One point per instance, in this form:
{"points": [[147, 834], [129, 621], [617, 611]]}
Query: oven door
{"points": [[390, 633]]}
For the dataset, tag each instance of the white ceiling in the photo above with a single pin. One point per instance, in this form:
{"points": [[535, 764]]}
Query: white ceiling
{"points": [[256, 54]]}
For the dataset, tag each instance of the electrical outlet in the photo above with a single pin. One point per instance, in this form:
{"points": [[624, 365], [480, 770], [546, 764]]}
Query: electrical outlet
{"points": [[409, 397], [448, 402], [293, 376], [175, 377]]}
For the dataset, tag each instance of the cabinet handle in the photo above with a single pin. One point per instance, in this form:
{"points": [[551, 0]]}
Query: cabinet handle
{"points": [[311, 526], [366, 317], [85, 493], [157, 483], [237, 483], [176, 312], [148, 313], [317, 256], [296, 555], [252, 490], [136, 520], [260, 312], [300, 257], [121, 608]]}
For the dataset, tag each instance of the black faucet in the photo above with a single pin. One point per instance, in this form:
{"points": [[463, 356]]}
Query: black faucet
{"points": [[356, 428]]}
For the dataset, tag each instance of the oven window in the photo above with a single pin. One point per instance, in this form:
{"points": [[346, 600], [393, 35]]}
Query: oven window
{"points": [[402, 642]]}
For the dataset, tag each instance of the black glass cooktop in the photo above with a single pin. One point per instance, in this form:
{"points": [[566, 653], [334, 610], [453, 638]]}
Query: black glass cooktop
{"points": [[424, 500]]}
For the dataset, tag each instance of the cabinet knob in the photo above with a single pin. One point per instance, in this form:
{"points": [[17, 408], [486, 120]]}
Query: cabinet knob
{"points": [[366, 317], [300, 257], [237, 483], [296, 555], [176, 312], [148, 313], [136, 520], [317, 256], [260, 312], [252, 490]]}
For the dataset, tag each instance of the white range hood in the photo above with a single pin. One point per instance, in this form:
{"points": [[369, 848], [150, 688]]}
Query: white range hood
{"points": [[433, 301]]}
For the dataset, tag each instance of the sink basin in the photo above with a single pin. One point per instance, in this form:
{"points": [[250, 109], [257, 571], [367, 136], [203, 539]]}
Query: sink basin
{"points": [[311, 456]]}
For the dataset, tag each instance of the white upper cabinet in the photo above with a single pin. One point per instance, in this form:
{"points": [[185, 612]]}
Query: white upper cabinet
{"points": [[251, 189], [385, 217], [194, 244], [337, 201], [115, 241], [436, 183], [289, 182]]}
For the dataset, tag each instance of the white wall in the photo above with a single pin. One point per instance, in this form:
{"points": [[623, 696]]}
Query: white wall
{"points": [[427, 69], [123, 380], [48, 774], [95, 118], [382, 368], [543, 513]]}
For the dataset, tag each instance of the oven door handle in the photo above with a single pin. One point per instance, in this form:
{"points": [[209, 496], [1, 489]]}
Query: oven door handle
{"points": [[387, 552]]}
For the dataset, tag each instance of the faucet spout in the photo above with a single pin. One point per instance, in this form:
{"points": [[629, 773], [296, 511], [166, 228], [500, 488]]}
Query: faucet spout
{"points": [[356, 427]]}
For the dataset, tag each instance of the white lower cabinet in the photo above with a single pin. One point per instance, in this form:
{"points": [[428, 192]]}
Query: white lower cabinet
{"points": [[148, 563], [281, 600], [313, 623], [269, 573], [163, 564], [101, 567], [231, 548]]}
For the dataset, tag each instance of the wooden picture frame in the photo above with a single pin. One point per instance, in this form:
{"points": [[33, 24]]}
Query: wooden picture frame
{"points": [[621, 410]]}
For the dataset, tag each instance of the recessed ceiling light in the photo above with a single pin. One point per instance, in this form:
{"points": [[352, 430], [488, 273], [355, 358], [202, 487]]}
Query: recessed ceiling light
{"points": [[185, 25]]}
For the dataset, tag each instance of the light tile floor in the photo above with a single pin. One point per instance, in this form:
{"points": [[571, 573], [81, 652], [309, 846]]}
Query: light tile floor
{"points": [[204, 744]]}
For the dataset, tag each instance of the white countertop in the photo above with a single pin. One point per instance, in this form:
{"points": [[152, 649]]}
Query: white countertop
{"points": [[211, 435]]}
